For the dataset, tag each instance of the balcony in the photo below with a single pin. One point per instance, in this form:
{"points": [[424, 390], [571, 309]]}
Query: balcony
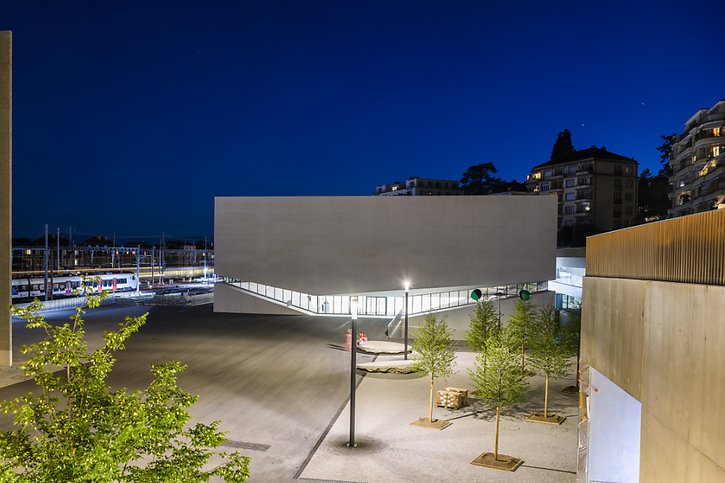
{"points": [[683, 152]]}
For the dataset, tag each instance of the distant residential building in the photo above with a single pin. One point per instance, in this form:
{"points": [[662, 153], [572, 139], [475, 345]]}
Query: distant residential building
{"points": [[415, 186], [697, 162], [593, 186]]}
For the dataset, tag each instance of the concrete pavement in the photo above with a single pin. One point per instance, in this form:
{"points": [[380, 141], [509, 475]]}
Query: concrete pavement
{"points": [[276, 382], [390, 450], [280, 385]]}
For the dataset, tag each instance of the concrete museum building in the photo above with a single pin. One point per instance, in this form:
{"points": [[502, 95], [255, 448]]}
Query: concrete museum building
{"points": [[653, 353], [309, 255]]}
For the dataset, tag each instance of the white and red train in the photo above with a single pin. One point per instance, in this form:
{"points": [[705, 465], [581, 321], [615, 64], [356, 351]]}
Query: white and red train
{"points": [[26, 288]]}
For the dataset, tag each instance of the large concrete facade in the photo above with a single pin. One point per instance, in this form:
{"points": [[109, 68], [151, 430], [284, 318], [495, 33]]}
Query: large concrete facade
{"points": [[662, 342], [6, 343], [334, 245]]}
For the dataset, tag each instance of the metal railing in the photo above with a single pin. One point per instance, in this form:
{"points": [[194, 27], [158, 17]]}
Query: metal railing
{"points": [[690, 249]]}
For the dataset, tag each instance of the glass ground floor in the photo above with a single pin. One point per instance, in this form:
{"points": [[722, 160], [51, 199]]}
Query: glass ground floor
{"points": [[379, 304]]}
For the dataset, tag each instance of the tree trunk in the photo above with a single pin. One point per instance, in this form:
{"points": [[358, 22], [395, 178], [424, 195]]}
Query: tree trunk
{"points": [[523, 360], [578, 354], [430, 412], [546, 397], [495, 445]]}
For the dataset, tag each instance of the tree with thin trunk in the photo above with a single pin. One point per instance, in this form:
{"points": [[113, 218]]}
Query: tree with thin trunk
{"points": [[484, 324], [521, 326], [549, 350], [434, 353], [498, 381]]}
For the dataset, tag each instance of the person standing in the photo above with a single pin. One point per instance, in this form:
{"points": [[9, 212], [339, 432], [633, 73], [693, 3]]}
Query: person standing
{"points": [[348, 340]]}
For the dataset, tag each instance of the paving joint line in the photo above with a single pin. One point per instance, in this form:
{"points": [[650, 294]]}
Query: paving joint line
{"points": [[326, 432]]}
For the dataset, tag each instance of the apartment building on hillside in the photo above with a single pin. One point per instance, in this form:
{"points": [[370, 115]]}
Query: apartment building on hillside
{"points": [[698, 163], [415, 186], [593, 187]]}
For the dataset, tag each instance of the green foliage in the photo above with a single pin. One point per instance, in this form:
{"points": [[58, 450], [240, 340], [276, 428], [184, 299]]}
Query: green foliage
{"points": [[550, 348], [484, 323], [497, 378], [521, 326], [433, 348], [571, 330], [75, 427]]}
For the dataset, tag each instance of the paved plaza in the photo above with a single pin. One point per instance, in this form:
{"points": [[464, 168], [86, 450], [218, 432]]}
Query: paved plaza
{"points": [[280, 385]]}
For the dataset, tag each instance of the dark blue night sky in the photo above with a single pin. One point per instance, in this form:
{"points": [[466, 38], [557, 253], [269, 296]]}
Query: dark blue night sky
{"points": [[130, 118]]}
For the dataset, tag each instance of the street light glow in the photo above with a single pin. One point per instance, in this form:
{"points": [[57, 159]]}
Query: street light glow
{"points": [[353, 308], [406, 285]]}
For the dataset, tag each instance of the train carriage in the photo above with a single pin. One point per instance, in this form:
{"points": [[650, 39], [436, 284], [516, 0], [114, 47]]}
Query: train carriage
{"points": [[27, 288]]}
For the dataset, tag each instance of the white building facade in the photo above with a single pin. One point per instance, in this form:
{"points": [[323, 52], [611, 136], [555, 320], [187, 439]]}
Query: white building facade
{"points": [[309, 255]]}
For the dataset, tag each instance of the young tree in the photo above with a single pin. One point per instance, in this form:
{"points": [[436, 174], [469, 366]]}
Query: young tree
{"points": [[484, 322], [76, 427], [498, 382], [434, 353], [549, 351], [562, 147], [520, 327]]}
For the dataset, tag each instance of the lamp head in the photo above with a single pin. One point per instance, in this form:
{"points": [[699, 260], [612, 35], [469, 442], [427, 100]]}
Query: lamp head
{"points": [[406, 285]]}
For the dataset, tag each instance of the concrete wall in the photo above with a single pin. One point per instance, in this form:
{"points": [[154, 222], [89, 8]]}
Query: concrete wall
{"points": [[6, 178], [339, 245], [662, 342], [230, 299]]}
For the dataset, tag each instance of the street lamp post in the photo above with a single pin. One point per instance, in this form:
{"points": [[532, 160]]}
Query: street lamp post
{"points": [[499, 294], [407, 289], [353, 364]]}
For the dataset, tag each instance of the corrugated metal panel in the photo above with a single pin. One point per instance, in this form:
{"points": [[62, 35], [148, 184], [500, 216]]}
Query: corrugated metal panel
{"points": [[688, 249]]}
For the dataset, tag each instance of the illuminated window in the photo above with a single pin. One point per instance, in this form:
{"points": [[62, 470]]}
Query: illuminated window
{"points": [[569, 197], [570, 183], [716, 150], [716, 131]]}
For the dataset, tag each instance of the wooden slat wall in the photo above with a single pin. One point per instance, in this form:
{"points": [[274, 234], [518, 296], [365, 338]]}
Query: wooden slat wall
{"points": [[689, 249]]}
